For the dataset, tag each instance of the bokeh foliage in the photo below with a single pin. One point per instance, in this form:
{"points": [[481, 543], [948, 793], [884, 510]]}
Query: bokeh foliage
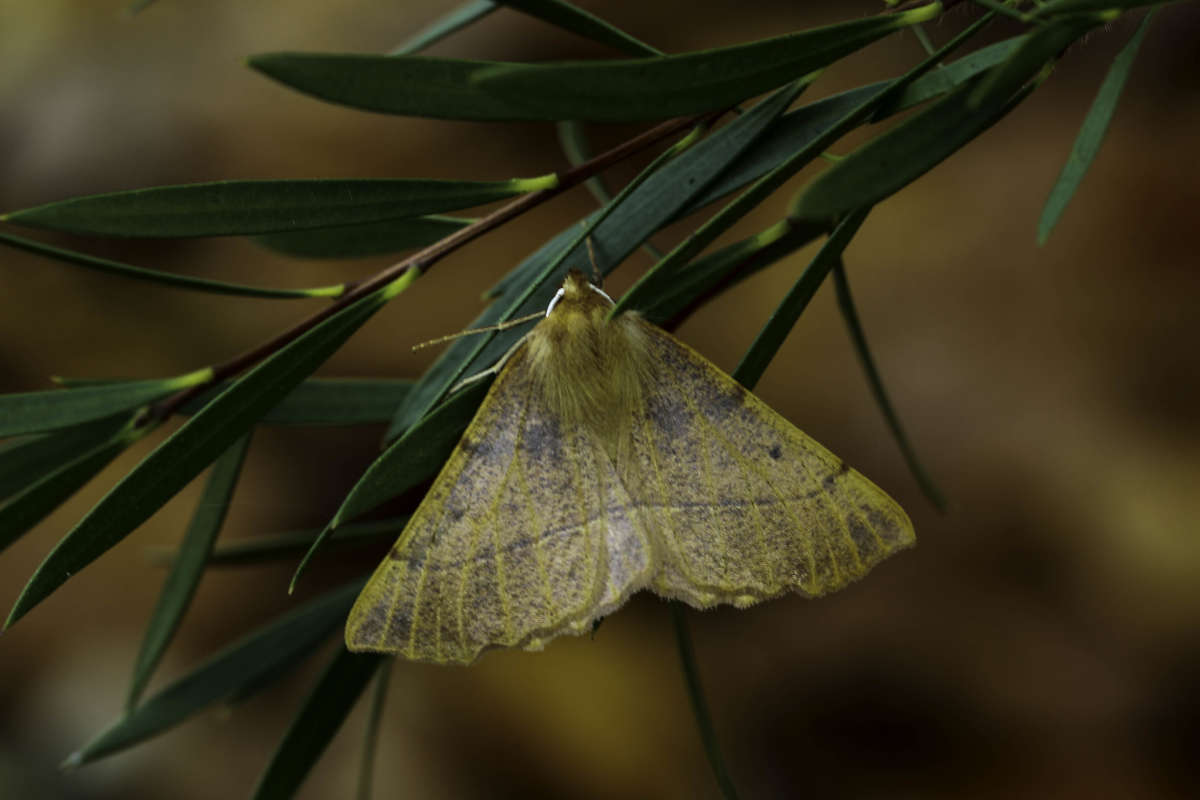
{"points": [[58, 440]]}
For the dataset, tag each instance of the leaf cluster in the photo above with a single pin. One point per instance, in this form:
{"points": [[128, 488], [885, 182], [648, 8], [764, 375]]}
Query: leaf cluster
{"points": [[716, 162]]}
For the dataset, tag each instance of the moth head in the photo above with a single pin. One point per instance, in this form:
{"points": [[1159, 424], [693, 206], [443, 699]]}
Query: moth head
{"points": [[578, 294]]}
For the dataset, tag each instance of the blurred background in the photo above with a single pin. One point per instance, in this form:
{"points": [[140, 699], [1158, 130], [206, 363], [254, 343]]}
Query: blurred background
{"points": [[1043, 639]]}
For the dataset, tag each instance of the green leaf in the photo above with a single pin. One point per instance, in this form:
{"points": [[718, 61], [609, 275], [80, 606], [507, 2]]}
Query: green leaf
{"points": [[1091, 133], [798, 130], [695, 690], [749, 200], [446, 88], [319, 719], [1041, 45], [891, 161], [51, 489], [184, 577], [726, 267], [647, 208], [575, 146], [466, 14], [576, 20], [416, 86], [274, 547], [32, 412], [859, 338], [194, 446], [224, 208], [950, 76], [771, 337], [366, 239], [316, 401], [414, 457], [366, 770], [267, 651], [327, 401], [1056, 7], [165, 278], [23, 461], [678, 85]]}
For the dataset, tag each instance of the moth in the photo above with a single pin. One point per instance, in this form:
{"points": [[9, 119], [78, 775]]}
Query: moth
{"points": [[609, 457]]}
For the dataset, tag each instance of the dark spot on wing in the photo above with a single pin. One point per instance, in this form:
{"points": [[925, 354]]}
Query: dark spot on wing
{"points": [[864, 540], [727, 401], [475, 446], [776, 452], [832, 477], [541, 437], [668, 417]]}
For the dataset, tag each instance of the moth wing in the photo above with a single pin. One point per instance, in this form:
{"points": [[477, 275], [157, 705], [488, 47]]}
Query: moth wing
{"points": [[744, 505], [524, 535]]}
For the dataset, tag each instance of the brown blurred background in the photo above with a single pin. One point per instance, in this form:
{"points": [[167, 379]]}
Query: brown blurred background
{"points": [[1042, 641]]}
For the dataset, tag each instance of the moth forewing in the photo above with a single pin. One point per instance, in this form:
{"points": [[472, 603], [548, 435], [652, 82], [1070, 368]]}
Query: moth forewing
{"points": [[608, 457]]}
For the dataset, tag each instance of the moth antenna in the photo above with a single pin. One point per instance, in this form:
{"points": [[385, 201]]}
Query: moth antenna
{"points": [[492, 370], [499, 326]]}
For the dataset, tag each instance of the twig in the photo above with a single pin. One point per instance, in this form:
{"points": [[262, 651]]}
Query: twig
{"points": [[425, 259]]}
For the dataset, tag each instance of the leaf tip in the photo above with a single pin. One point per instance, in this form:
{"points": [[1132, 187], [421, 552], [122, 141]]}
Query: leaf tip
{"points": [[920, 14], [71, 762]]}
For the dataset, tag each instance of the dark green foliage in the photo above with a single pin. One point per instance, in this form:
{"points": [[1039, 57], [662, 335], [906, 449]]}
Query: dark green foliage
{"points": [[62, 438]]}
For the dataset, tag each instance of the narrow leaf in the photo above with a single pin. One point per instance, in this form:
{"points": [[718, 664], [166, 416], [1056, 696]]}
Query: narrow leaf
{"points": [[225, 208], [319, 719], [270, 649], [414, 457], [649, 88], [466, 14], [723, 268], [366, 770], [690, 83], [366, 239], [770, 338], [1091, 133], [859, 338], [1056, 7], [742, 205], [647, 208], [576, 20], [432, 87], [327, 401], [33, 503], [894, 159], [695, 690], [165, 278], [24, 461], [275, 547], [1041, 45], [808, 127], [184, 577], [575, 146], [32, 412], [193, 447]]}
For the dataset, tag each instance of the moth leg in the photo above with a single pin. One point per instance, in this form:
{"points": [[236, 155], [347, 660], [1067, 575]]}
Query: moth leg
{"points": [[492, 370]]}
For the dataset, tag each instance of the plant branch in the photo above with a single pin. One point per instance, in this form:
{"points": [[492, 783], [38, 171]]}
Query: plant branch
{"points": [[425, 259]]}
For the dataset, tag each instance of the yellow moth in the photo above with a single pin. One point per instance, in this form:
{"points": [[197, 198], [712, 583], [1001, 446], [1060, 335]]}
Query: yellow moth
{"points": [[609, 457]]}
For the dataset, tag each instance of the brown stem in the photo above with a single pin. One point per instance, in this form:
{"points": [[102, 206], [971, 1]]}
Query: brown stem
{"points": [[425, 259]]}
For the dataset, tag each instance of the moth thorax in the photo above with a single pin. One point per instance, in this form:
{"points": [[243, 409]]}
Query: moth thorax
{"points": [[591, 370]]}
